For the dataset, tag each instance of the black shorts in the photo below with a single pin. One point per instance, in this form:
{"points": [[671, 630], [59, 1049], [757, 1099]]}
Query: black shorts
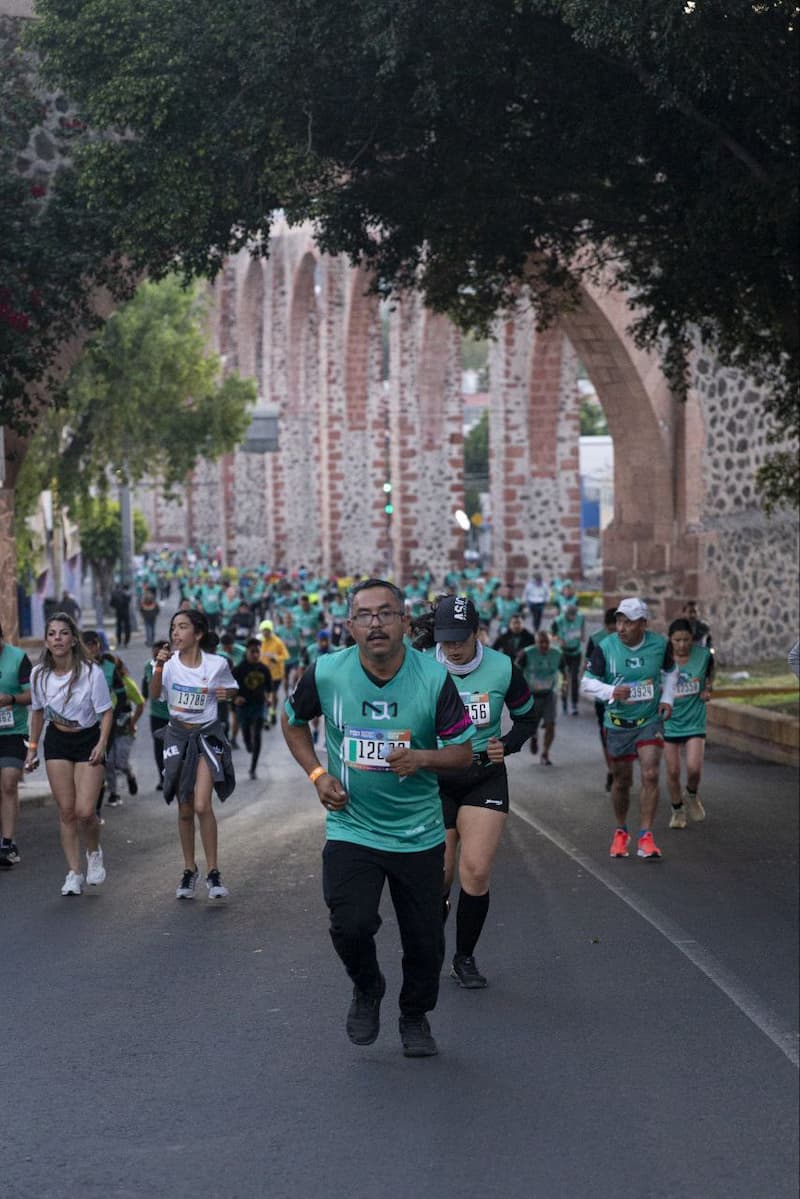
{"points": [[479, 786], [544, 707], [70, 747], [13, 751], [683, 740]]}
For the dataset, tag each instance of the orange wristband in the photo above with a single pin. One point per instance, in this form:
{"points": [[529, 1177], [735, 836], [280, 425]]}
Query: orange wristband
{"points": [[317, 773]]}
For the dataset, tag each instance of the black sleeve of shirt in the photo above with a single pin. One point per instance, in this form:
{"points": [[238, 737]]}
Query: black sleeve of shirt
{"points": [[450, 712], [597, 663], [304, 699], [522, 726], [24, 675]]}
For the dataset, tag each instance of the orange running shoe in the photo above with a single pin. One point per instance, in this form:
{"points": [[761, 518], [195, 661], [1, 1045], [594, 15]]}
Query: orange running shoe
{"points": [[619, 846], [648, 848]]}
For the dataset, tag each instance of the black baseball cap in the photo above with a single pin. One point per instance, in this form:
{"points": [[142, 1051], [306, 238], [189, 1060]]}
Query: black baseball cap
{"points": [[456, 617]]}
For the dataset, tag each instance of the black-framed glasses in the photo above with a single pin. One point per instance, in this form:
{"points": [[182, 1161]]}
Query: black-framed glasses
{"points": [[364, 617]]}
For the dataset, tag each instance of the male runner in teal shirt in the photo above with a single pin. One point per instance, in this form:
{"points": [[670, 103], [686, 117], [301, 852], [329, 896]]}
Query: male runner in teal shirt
{"points": [[386, 708], [633, 671]]}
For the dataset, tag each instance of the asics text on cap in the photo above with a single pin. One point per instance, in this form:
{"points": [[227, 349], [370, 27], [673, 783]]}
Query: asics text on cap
{"points": [[456, 617], [634, 609]]}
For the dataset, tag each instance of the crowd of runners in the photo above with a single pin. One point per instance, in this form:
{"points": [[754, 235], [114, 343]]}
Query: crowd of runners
{"points": [[394, 704]]}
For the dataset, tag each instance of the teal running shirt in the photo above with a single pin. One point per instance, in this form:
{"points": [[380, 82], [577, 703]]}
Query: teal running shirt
{"points": [[419, 707], [689, 712], [640, 667]]}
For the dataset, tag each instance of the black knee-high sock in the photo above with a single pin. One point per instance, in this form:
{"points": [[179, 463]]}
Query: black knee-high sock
{"points": [[470, 916]]}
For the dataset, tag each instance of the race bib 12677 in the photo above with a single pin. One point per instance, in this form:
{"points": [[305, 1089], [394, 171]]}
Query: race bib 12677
{"points": [[366, 749]]}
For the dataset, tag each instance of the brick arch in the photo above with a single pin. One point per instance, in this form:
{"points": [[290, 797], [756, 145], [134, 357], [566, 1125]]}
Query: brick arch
{"points": [[363, 319], [645, 421], [304, 322], [356, 429], [250, 320]]}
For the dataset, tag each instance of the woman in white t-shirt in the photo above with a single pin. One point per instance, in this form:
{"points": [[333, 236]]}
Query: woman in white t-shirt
{"points": [[70, 692], [193, 679]]}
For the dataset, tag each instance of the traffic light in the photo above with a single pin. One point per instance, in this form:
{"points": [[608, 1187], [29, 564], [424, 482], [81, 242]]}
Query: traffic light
{"points": [[388, 506]]}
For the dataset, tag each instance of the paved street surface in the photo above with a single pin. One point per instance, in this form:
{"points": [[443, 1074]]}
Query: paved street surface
{"points": [[638, 1038]]}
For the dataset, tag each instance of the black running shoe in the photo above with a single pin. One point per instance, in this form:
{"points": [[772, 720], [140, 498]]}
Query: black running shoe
{"points": [[466, 973], [415, 1033], [6, 860], [364, 1016]]}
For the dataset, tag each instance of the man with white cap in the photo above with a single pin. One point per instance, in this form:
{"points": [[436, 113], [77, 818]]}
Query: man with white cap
{"points": [[634, 674]]}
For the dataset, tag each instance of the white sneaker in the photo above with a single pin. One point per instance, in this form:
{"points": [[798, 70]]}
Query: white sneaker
{"points": [[186, 887], [95, 870], [215, 888], [678, 818], [696, 810], [73, 884]]}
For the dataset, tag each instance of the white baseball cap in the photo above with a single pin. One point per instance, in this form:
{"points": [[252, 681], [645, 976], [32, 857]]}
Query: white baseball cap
{"points": [[633, 608]]}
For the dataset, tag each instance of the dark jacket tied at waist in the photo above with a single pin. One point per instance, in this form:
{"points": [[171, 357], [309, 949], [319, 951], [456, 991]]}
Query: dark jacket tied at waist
{"points": [[182, 749]]}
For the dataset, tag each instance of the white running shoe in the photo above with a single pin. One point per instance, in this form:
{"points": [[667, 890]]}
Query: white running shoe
{"points": [[95, 870], [216, 890], [73, 884], [186, 887], [695, 808], [678, 818]]}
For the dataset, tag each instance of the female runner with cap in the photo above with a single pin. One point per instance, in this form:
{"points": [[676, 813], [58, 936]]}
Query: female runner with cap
{"points": [[475, 800]]}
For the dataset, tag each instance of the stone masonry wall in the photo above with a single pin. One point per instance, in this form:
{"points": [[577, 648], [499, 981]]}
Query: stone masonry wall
{"points": [[748, 577]]}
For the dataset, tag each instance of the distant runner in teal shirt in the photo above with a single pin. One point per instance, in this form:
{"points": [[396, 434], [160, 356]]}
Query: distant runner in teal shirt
{"points": [[393, 721], [686, 727]]}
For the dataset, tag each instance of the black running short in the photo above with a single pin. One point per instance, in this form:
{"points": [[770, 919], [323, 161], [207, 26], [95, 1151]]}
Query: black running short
{"points": [[13, 751], [479, 786], [71, 747]]}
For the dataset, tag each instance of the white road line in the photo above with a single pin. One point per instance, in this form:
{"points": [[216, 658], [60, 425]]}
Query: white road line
{"points": [[748, 1003]]}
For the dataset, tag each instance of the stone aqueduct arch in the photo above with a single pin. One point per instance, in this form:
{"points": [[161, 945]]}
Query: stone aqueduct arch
{"points": [[685, 517]]}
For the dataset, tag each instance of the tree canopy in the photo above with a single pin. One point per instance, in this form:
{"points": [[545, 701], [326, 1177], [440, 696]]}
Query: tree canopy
{"points": [[464, 146], [147, 399]]}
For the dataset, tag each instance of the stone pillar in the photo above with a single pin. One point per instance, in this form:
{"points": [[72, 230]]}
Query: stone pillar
{"points": [[356, 433], [533, 451], [426, 437]]}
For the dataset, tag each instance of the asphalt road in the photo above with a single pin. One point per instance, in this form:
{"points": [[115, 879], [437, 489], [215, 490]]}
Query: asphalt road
{"points": [[638, 1037]]}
